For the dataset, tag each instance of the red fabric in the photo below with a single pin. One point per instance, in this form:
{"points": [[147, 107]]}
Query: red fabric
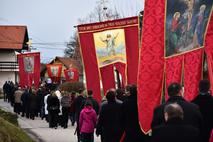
{"points": [[211, 138], [123, 137], [173, 71], [29, 78], [151, 66], [192, 73], [71, 75], [130, 26], [107, 77], [132, 53], [54, 72], [121, 67], [90, 64], [209, 50]]}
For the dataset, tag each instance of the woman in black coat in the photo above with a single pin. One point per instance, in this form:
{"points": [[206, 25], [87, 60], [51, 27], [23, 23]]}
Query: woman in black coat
{"points": [[53, 106]]}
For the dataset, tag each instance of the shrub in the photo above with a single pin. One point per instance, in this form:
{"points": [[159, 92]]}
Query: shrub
{"points": [[72, 86]]}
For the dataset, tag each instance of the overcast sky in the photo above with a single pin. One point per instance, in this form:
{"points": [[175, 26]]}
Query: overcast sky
{"points": [[52, 21]]}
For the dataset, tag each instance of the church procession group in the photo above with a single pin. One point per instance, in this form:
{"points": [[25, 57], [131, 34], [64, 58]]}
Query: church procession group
{"points": [[164, 66]]}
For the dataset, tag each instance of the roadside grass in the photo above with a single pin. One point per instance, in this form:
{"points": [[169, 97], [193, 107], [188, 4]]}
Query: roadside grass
{"points": [[12, 118], [9, 129]]}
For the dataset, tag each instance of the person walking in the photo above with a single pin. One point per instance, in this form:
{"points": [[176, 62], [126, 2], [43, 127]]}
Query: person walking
{"points": [[66, 104], [33, 104], [72, 108], [45, 105], [129, 118], [18, 105], [192, 115], [94, 102], [5, 91], [174, 129], [109, 120], [53, 106], [87, 122], [205, 102], [78, 104]]}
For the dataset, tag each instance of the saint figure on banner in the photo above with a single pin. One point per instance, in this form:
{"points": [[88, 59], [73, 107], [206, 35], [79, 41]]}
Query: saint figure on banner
{"points": [[110, 43], [199, 29], [70, 74], [29, 64], [54, 71]]}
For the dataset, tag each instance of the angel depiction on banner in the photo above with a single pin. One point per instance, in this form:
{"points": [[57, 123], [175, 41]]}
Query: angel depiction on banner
{"points": [[110, 43]]}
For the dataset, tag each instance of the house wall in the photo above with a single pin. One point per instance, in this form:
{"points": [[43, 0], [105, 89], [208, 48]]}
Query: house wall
{"points": [[7, 74], [7, 55]]}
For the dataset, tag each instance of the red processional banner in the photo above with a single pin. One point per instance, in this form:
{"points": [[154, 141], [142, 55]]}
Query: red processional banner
{"points": [[209, 50], [104, 45], [174, 68], [71, 75], [29, 69], [173, 36], [54, 72]]}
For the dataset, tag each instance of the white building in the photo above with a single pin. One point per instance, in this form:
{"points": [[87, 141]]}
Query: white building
{"points": [[13, 39]]}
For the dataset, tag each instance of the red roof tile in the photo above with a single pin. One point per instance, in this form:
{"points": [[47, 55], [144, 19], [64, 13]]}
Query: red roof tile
{"points": [[13, 37]]}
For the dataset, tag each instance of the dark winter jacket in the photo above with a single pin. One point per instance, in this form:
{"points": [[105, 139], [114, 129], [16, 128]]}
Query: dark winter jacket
{"points": [[109, 121], [130, 121], [192, 115], [175, 131], [205, 103]]}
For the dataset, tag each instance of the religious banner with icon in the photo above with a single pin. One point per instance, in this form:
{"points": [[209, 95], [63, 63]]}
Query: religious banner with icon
{"points": [[54, 72], [110, 47], [186, 24], [29, 69], [105, 45], [29, 64], [172, 38], [71, 75]]}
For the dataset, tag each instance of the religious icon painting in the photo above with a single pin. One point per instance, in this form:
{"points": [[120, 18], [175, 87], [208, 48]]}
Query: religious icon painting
{"points": [[70, 74], [110, 46], [29, 64], [54, 70], [186, 24]]}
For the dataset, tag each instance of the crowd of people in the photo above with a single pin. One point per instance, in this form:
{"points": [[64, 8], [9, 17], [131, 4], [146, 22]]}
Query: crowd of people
{"points": [[115, 119]]}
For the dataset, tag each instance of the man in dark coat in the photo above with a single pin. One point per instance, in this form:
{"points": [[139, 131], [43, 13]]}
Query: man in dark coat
{"points": [[205, 102], [25, 102], [192, 113], [129, 118], [53, 106], [5, 91], [94, 102], [78, 105], [174, 129], [109, 121], [32, 104]]}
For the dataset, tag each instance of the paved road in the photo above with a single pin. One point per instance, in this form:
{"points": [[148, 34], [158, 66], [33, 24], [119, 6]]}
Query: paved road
{"points": [[39, 130]]}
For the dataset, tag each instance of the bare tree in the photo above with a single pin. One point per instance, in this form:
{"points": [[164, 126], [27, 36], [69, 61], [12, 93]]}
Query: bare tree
{"points": [[102, 12]]}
